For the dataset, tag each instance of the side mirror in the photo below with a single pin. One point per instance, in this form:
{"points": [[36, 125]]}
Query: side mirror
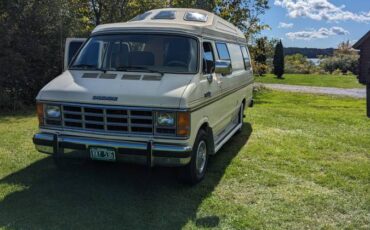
{"points": [[223, 67]]}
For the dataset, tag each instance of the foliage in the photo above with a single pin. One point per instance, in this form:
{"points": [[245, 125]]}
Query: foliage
{"points": [[345, 59], [297, 63], [262, 52], [259, 55], [309, 52], [259, 69], [279, 60], [208, 5], [245, 14]]}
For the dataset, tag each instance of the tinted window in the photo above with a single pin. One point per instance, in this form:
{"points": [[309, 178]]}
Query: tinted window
{"points": [[223, 52], [208, 58], [245, 56], [73, 48], [208, 51], [236, 56], [164, 53]]}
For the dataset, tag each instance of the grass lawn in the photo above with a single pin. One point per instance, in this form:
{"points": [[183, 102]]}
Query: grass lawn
{"points": [[301, 162], [338, 81]]}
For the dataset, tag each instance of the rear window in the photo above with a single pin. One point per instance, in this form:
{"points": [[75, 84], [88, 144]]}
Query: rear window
{"points": [[222, 51]]}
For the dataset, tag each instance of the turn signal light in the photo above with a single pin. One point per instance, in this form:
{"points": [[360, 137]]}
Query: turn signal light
{"points": [[183, 124], [40, 113]]}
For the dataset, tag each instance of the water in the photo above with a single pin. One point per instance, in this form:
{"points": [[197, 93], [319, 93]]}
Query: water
{"points": [[316, 61]]}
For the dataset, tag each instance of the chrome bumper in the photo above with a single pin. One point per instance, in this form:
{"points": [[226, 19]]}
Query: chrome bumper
{"points": [[149, 153]]}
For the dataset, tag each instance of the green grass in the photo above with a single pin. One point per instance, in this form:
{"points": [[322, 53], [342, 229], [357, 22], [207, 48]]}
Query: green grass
{"points": [[301, 162], [345, 81]]}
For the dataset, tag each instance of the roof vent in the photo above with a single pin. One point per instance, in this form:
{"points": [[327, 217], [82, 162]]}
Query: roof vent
{"points": [[195, 16], [166, 14]]}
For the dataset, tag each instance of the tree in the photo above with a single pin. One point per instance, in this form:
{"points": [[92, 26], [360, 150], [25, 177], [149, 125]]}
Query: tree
{"points": [[245, 14], [208, 5], [279, 60]]}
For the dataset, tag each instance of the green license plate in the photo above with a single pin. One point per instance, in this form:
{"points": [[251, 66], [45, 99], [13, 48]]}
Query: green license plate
{"points": [[102, 154]]}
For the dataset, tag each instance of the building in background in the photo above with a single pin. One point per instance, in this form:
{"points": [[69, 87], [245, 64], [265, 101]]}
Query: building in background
{"points": [[364, 65]]}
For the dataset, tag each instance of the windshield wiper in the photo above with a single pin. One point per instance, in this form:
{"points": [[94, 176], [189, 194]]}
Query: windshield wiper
{"points": [[83, 66], [89, 67], [137, 68]]}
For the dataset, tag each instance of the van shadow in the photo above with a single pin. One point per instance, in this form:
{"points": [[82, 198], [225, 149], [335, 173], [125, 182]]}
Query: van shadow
{"points": [[110, 196]]}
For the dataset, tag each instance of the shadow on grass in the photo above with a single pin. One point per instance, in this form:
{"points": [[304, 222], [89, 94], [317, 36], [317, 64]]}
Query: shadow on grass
{"points": [[110, 196]]}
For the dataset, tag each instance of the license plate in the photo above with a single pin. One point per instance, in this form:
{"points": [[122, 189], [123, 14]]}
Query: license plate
{"points": [[102, 154]]}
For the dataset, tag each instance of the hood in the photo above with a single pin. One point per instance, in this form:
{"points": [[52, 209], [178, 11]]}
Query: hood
{"points": [[117, 88]]}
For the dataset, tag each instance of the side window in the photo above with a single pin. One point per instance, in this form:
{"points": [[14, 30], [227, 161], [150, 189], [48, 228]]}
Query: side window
{"points": [[236, 56], [245, 57], [208, 58], [73, 48], [223, 52]]}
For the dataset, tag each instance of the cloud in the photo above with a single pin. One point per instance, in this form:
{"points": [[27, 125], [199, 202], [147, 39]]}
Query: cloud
{"points": [[285, 25], [321, 10], [317, 34]]}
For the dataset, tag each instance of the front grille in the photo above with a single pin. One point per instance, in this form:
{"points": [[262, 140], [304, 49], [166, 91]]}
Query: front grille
{"points": [[95, 118]]}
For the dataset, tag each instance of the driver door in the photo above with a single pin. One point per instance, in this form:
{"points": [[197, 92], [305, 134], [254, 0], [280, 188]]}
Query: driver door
{"points": [[211, 84], [72, 45]]}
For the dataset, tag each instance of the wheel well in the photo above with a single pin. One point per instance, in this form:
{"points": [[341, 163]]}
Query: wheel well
{"points": [[243, 102], [208, 130]]}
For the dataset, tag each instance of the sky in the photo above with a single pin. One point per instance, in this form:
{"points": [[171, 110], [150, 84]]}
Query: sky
{"points": [[317, 23]]}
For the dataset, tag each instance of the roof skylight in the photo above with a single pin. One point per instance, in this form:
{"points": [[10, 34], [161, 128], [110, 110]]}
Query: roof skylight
{"points": [[195, 16], [166, 14], [141, 17]]}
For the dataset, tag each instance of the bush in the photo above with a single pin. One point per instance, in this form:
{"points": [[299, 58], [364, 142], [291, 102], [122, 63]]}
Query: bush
{"points": [[343, 62], [259, 69], [297, 63]]}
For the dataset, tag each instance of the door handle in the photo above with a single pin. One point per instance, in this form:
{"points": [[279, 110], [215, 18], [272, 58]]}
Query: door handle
{"points": [[209, 77]]}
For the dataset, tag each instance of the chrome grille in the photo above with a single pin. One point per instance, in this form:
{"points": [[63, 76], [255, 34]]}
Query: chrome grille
{"points": [[110, 119]]}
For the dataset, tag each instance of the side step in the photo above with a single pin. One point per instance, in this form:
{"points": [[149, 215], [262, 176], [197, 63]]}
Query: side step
{"points": [[227, 137]]}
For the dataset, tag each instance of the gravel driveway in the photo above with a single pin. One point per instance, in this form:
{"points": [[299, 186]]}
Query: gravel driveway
{"points": [[357, 93]]}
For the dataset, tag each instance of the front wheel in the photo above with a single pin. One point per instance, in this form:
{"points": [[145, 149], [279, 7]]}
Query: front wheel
{"points": [[196, 169]]}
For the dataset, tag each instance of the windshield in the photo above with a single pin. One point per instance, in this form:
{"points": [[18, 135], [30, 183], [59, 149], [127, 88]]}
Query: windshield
{"points": [[140, 52]]}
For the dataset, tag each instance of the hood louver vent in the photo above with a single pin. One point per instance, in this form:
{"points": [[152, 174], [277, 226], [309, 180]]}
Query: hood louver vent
{"points": [[152, 78], [108, 76], [131, 77], [90, 75]]}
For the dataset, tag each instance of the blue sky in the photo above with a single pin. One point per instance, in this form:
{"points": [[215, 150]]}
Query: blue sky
{"points": [[317, 23]]}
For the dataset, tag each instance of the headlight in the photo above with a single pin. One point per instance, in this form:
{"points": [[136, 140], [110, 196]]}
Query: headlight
{"points": [[165, 119], [52, 111]]}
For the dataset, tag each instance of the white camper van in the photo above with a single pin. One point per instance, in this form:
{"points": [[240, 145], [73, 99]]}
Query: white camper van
{"points": [[169, 88]]}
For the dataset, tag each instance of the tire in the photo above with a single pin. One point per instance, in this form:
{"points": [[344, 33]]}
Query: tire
{"points": [[195, 171], [241, 116]]}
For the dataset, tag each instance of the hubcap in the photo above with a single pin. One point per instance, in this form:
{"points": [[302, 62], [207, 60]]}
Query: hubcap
{"points": [[201, 156]]}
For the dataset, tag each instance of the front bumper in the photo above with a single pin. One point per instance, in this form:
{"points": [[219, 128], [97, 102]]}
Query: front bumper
{"points": [[149, 153]]}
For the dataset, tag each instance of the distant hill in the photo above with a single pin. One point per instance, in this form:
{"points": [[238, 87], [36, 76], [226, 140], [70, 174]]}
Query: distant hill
{"points": [[308, 52]]}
